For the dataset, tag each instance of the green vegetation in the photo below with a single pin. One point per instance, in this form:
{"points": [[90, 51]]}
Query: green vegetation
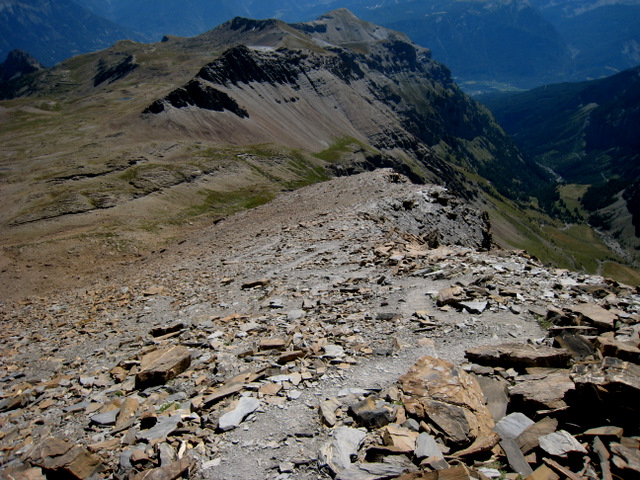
{"points": [[574, 246], [341, 147], [220, 203]]}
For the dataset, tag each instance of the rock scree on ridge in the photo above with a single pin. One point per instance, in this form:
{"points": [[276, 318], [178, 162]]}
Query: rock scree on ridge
{"points": [[324, 335]]}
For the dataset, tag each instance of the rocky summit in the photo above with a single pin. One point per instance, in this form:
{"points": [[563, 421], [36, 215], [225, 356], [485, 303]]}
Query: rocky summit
{"points": [[360, 328]]}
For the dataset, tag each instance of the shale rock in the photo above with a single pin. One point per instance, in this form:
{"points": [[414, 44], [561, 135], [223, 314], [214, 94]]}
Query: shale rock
{"points": [[160, 366], [441, 392]]}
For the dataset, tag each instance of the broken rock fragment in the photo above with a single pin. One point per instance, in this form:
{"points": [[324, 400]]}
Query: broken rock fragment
{"points": [[160, 366], [371, 413], [451, 296], [519, 356], [232, 419], [169, 472], [339, 453], [443, 393], [64, 458], [401, 439]]}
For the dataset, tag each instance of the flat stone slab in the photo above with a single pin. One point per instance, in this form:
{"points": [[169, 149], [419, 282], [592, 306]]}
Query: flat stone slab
{"points": [[161, 430], [560, 444], [106, 418], [160, 366], [371, 471], [474, 307], [519, 356], [612, 372], [595, 315], [513, 425], [232, 419], [546, 393]]}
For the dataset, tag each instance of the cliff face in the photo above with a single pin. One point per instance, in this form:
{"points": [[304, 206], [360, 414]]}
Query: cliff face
{"points": [[305, 85]]}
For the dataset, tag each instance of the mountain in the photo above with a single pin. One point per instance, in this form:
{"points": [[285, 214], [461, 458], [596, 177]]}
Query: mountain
{"points": [[153, 136], [489, 45], [506, 41], [18, 64], [136, 143], [587, 133], [16, 71], [53, 31], [486, 43], [603, 36]]}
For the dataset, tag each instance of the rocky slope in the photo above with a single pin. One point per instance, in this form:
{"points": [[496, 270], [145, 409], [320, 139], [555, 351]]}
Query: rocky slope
{"points": [[352, 77], [248, 350], [123, 148]]}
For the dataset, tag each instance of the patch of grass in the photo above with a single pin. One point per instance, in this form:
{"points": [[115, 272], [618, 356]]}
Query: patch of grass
{"points": [[621, 273], [339, 148], [575, 246], [580, 243], [166, 406], [227, 203]]}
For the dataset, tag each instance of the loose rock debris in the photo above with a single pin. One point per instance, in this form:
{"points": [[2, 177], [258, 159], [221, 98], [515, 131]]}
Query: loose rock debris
{"points": [[333, 346]]}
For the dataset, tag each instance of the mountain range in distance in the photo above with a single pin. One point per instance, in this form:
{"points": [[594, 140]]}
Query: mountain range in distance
{"points": [[326, 97], [143, 136], [488, 45]]}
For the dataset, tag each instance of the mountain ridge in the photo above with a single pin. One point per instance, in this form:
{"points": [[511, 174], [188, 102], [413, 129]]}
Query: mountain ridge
{"points": [[86, 160], [489, 45]]}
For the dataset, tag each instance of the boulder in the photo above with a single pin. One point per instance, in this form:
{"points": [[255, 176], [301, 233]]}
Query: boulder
{"points": [[445, 395]]}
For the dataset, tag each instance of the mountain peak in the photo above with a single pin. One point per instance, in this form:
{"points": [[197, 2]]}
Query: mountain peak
{"points": [[341, 13], [343, 28], [18, 63]]}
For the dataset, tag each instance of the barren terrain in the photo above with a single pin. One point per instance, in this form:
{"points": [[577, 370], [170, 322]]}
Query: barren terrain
{"points": [[347, 271]]}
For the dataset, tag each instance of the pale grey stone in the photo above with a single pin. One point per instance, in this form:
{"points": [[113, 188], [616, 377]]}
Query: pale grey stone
{"points": [[337, 454], [474, 307], [106, 418], [426, 446], [512, 425], [233, 419], [161, 430], [560, 443]]}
